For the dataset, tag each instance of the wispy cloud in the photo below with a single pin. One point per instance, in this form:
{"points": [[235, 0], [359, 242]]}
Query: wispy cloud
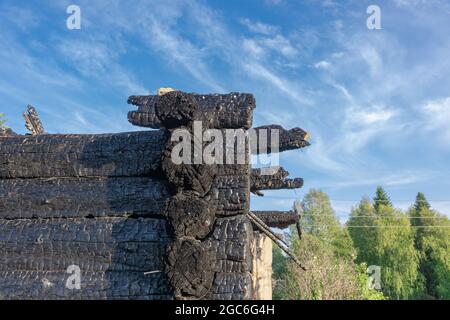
{"points": [[436, 114]]}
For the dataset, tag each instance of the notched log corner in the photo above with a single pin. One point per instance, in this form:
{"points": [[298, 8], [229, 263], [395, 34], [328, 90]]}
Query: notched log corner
{"points": [[190, 268], [190, 216], [187, 177]]}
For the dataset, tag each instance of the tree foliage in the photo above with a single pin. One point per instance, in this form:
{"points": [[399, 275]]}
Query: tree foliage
{"points": [[432, 241], [327, 251], [381, 199], [2, 121], [383, 237]]}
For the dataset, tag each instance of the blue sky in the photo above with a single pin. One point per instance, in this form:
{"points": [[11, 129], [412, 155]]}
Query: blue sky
{"points": [[376, 102]]}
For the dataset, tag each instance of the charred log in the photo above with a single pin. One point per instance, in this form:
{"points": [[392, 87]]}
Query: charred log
{"points": [[277, 219], [273, 178], [82, 197], [233, 110], [103, 155], [190, 216], [190, 268], [295, 138]]}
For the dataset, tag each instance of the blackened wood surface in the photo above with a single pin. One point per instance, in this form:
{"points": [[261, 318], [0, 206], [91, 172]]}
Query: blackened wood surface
{"points": [[233, 110], [48, 156], [278, 219], [81, 197], [231, 240], [291, 139], [112, 253], [51, 285], [274, 178]]}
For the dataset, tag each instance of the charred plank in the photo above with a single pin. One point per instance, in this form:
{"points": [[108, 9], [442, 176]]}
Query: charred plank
{"points": [[47, 156], [233, 110], [273, 178], [278, 219], [292, 139], [94, 285], [82, 197]]}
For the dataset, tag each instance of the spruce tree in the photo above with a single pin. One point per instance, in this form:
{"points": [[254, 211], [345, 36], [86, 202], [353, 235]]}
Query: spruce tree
{"points": [[383, 237], [432, 241], [381, 199], [421, 202]]}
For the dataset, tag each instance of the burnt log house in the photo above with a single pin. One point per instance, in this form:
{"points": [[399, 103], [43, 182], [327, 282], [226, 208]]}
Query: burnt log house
{"points": [[137, 225]]}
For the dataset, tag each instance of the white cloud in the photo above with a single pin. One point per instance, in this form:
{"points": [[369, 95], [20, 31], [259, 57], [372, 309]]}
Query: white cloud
{"points": [[322, 65], [436, 114], [260, 71], [259, 27]]}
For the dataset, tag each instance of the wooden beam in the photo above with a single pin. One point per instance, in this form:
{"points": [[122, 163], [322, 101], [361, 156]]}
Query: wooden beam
{"points": [[112, 253], [82, 197], [273, 178], [278, 219], [292, 139], [76, 155], [233, 110]]}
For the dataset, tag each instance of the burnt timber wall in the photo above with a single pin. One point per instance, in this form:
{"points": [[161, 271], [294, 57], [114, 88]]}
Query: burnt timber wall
{"points": [[137, 225]]}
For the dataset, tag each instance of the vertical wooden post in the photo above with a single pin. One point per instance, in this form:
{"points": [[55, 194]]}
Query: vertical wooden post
{"points": [[262, 266]]}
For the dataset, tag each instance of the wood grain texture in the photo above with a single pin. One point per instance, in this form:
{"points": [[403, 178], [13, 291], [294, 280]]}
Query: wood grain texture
{"points": [[291, 139], [112, 253], [233, 110], [82, 197], [278, 219], [105, 155], [98, 285], [272, 179]]}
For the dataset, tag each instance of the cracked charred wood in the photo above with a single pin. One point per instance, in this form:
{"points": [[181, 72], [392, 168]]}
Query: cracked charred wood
{"points": [[190, 216], [233, 110], [231, 241], [230, 195], [82, 197], [295, 138], [48, 156], [95, 285], [187, 176], [112, 253], [176, 109], [79, 230], [232, 286], [190, 268], [32, 121], [273, 178], [277, 219]]}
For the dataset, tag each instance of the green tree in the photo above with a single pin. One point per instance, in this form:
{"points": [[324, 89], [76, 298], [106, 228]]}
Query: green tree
{"points": [[432, 239], [383, 237], [319, 219], [327, 251], [381, 199], [2, 121]]}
